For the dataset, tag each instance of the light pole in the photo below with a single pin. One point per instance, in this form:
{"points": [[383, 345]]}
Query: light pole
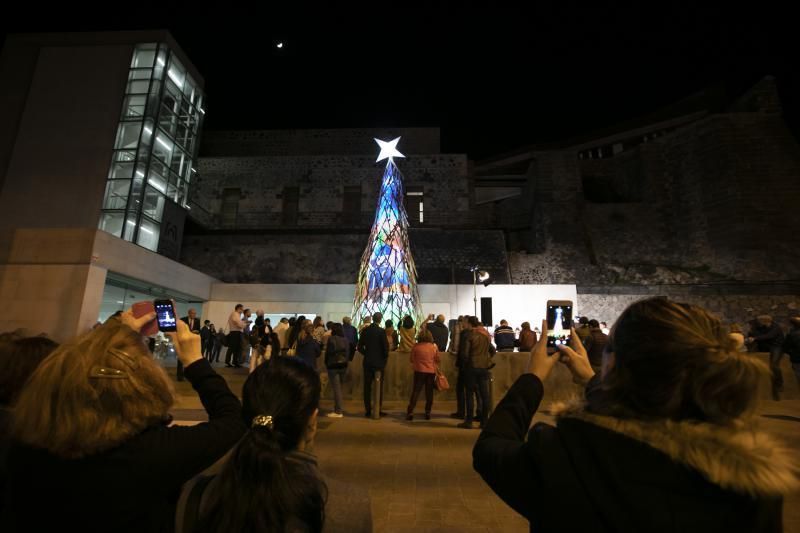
{"points": [[483, 277]]}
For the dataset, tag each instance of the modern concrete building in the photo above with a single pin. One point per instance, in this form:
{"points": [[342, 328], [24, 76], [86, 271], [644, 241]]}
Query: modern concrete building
{"points": [[98, 137]]}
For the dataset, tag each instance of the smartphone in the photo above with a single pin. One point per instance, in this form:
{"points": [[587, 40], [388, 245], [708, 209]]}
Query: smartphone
{"points": [[140, 309], [559, 322], [165, 315]]}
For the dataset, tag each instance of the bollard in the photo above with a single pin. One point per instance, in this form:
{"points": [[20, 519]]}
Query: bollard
{"points": [[376, 395]]}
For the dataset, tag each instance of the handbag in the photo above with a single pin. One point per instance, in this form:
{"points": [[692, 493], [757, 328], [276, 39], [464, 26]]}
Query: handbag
{"points": [[440, 381], [291, 352]]}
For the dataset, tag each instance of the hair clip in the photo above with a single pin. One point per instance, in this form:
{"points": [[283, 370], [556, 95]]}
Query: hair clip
{"points": [[262, 420], [107, 373], [124, 357]]}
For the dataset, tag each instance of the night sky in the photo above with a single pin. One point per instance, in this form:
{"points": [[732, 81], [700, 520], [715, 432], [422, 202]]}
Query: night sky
{"points": [[493, 79]]}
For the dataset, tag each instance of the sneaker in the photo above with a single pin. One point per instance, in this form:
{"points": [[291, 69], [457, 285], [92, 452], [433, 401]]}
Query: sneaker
{"points": [[409, 417], [334, 415], [368, 414], [383, 414], [459, 416], [427, 416], [466, 425]]}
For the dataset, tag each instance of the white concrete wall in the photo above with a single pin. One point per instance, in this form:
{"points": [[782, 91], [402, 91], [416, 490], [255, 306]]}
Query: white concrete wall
{"points": [[515, 303]]}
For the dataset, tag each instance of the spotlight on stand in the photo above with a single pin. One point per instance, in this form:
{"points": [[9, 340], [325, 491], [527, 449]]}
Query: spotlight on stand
{"points": [[482, 276]]}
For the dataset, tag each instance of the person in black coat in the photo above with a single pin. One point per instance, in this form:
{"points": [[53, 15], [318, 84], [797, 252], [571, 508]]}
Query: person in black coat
{"points": [[193, 322], [767, 336], [664, 441], [792, 345], [374, 346], [93, 450], [440, 333]]}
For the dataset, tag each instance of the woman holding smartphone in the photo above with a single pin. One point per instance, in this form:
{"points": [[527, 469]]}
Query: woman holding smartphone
{"points": [[92, 439], [665, 439]]}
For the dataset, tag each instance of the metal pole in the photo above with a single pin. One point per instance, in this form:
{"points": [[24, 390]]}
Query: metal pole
{"points": [[475, 292], [376, 395]]}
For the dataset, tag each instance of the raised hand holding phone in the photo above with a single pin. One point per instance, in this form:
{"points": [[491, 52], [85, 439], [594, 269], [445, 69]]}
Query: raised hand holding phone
{"points": [[576, 359], [541, 362], [187, 344]]}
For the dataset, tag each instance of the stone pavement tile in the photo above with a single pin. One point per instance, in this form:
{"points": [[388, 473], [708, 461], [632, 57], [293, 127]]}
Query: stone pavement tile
{"points": [[434, 515]]}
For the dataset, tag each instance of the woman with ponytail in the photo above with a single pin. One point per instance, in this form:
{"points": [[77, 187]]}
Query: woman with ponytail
{"points": [[270, 481], [665, 439]]}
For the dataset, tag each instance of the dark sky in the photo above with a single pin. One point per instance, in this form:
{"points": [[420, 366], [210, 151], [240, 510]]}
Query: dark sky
{"points": [[493, 79]]}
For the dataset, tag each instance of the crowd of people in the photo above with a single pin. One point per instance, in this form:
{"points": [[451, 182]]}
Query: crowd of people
{"points": [[87, 442]]}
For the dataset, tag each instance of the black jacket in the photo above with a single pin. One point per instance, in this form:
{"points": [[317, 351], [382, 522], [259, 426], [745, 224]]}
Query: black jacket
{"points": [[440, 334], [133, 487], [194, 325], [598, 473], [767, 337], [792, 345], [374, 345]]}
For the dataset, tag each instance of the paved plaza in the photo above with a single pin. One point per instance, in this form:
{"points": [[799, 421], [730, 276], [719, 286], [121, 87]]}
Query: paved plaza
{"points": [[419, 473]]}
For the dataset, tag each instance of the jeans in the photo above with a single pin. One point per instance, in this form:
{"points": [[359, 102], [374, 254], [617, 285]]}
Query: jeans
{"points": [[461, 394], [234, 347], [775, 354], [477, 381], [336, 377], [369, 376], [422, 379]]}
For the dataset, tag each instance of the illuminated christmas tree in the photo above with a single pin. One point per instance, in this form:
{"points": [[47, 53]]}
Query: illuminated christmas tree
{"points": [[387, 279]]}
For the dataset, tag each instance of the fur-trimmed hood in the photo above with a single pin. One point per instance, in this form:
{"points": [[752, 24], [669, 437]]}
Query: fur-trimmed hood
{"points": [[743, 460]]}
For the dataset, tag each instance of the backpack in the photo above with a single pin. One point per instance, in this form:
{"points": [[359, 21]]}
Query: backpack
{"points": [[340, 355]]}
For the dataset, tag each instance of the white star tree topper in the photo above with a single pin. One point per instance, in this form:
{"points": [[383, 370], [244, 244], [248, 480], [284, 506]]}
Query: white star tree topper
{"points": [[388, 149]]}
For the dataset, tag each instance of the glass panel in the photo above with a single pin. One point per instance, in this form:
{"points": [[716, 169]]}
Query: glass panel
{"points": [[148, 235], [138, 87], [112, 223], [153, 203], [172, 192], [125, 155], [144, 55], [128, 135], [136, 191], [156, 180], [134, 106], [176, 72], [177, 163], [163, 148], [130, 226], [140, 74], [121, 171], [117, 194]]}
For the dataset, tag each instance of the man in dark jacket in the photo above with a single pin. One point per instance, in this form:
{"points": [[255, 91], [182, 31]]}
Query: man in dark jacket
{"points": [[375, 347], [351, 334], [478, 350], [595, 344], [205, 336], [768, 337], [504, 337], [439, 332], [792, 345], [461, 380], [193, 322]]}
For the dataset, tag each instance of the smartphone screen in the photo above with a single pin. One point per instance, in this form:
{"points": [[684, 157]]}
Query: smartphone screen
{"points": [[165, 315], [559, 322]]}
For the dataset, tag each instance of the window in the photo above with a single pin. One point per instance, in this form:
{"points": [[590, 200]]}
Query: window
{"points": [[351, 205], [154, 148], [415, 204], [148, 234], [291, 201], [230, 207]]}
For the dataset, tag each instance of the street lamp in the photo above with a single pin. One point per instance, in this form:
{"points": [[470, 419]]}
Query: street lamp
{"points": [[482, 276]]}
